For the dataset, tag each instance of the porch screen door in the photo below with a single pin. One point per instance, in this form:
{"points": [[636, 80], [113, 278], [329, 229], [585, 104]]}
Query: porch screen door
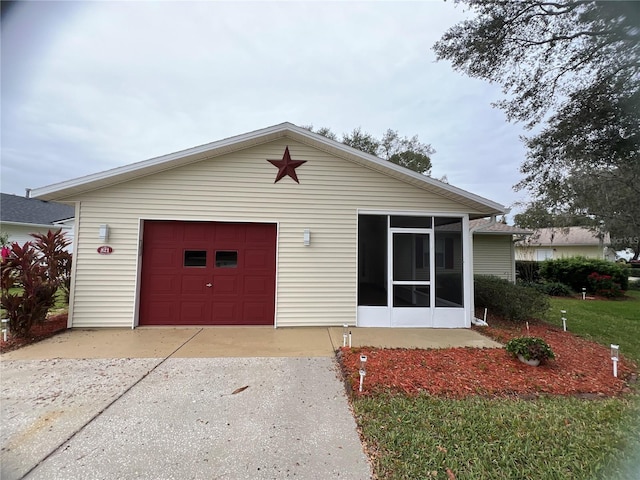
{"points": [[411, 280]]}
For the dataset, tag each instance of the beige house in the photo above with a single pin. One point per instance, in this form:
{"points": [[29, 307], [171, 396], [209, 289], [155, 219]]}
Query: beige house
{"points": [[493, 247], [279, 227], [554, 243]]}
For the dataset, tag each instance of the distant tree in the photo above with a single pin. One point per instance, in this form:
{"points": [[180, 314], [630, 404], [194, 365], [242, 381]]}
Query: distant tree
{"points": [[362, 141], [572, 68], [404, 151]]}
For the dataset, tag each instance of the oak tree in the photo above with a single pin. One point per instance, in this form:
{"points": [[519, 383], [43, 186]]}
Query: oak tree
{"points": [[570, 70]]}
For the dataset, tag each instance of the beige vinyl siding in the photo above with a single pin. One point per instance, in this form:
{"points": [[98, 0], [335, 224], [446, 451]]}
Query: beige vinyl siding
{"points": [[316, 285], [493, 255]]}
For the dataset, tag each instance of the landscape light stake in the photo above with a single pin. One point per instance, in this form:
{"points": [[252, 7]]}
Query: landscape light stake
{"points": [[564, 320], [344, 335], [363, 369], [584, 293], [349, 338], [614, 357], [5, 328]]}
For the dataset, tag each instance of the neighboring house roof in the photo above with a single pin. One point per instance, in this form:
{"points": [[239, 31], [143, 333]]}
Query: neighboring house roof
{"points": [[65, 190], [22, 210], [490, 227], [568, 236]]}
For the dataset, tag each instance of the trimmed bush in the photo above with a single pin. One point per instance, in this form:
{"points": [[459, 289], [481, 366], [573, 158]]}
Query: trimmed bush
{"points": [[553, 289], [575, 271], [511, 302]]}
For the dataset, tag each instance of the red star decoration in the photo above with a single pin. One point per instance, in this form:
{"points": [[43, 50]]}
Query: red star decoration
{"points": [[286, 166]]}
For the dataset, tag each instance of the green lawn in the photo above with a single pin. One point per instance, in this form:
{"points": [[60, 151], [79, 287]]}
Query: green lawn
{"points": [[606, 322], [548, 438]]}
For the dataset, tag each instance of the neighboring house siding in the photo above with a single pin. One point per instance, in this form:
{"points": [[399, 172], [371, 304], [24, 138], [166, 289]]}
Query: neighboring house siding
{"points": [[22, 233], [316, 285], [530, 252], [493, 255], [578, 251]]}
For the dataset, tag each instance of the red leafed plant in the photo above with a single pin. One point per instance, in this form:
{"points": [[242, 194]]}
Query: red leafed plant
{"points": [[604, 285], [30, 277]]}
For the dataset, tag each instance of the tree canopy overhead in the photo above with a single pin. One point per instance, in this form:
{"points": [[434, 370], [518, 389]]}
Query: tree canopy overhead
{"points": [[572, 70], [404, 151]]}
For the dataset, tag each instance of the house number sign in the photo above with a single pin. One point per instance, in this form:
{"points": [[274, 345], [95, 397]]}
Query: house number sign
{"points": [[105, 250]]}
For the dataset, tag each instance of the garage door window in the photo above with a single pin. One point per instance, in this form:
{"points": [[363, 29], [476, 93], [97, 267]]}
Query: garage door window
{"points": [[195, 258], [226, 259]]}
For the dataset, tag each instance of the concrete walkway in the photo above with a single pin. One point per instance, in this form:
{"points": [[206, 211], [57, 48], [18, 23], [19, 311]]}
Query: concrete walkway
{"points": [[209, 342], [159, 403]]}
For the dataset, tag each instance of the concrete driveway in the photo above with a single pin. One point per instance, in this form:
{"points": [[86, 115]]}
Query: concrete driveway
{"points": [[160, 404]]}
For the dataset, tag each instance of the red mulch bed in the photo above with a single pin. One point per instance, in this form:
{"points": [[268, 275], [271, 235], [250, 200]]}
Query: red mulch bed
{"points": [[52, 325], [581, 368]]}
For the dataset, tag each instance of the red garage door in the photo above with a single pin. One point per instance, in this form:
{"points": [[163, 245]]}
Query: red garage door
{"points": [[205, 273]]}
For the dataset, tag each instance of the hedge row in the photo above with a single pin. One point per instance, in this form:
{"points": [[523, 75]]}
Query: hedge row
{"points": [[575, 271]]}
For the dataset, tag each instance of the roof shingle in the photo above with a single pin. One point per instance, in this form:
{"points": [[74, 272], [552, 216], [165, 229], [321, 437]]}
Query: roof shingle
{"points": [[31, 210]]}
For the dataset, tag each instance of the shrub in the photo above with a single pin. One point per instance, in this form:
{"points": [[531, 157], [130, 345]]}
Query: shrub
{"points": [[556, 289], [530, 348], [512, 302], [604, 285], [29, 279], [575, 271], [527, 270], [553, 289]]}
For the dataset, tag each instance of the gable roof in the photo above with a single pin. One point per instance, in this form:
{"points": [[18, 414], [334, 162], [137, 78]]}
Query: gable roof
{"points": [[63, 190], [490, 227], [16, 209], [568, 236]]}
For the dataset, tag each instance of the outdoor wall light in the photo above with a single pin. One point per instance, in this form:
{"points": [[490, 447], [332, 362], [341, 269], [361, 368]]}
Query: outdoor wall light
{"points": [[615, 349], [363, 369], [306, 237], [103, 232]]}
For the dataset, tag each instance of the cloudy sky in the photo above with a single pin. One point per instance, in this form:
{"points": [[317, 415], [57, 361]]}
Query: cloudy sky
{"points": [[89, 86]]}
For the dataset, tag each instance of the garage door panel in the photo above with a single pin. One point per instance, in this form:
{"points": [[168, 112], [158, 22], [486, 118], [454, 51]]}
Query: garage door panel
{"points": [[227, 313], [257, 285], [253, 313], [162, 232], [226, 286], [161, 257], [259, 258], [163, 284], [194, 284], [196, 232], [193, 312], [163, 313]]}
